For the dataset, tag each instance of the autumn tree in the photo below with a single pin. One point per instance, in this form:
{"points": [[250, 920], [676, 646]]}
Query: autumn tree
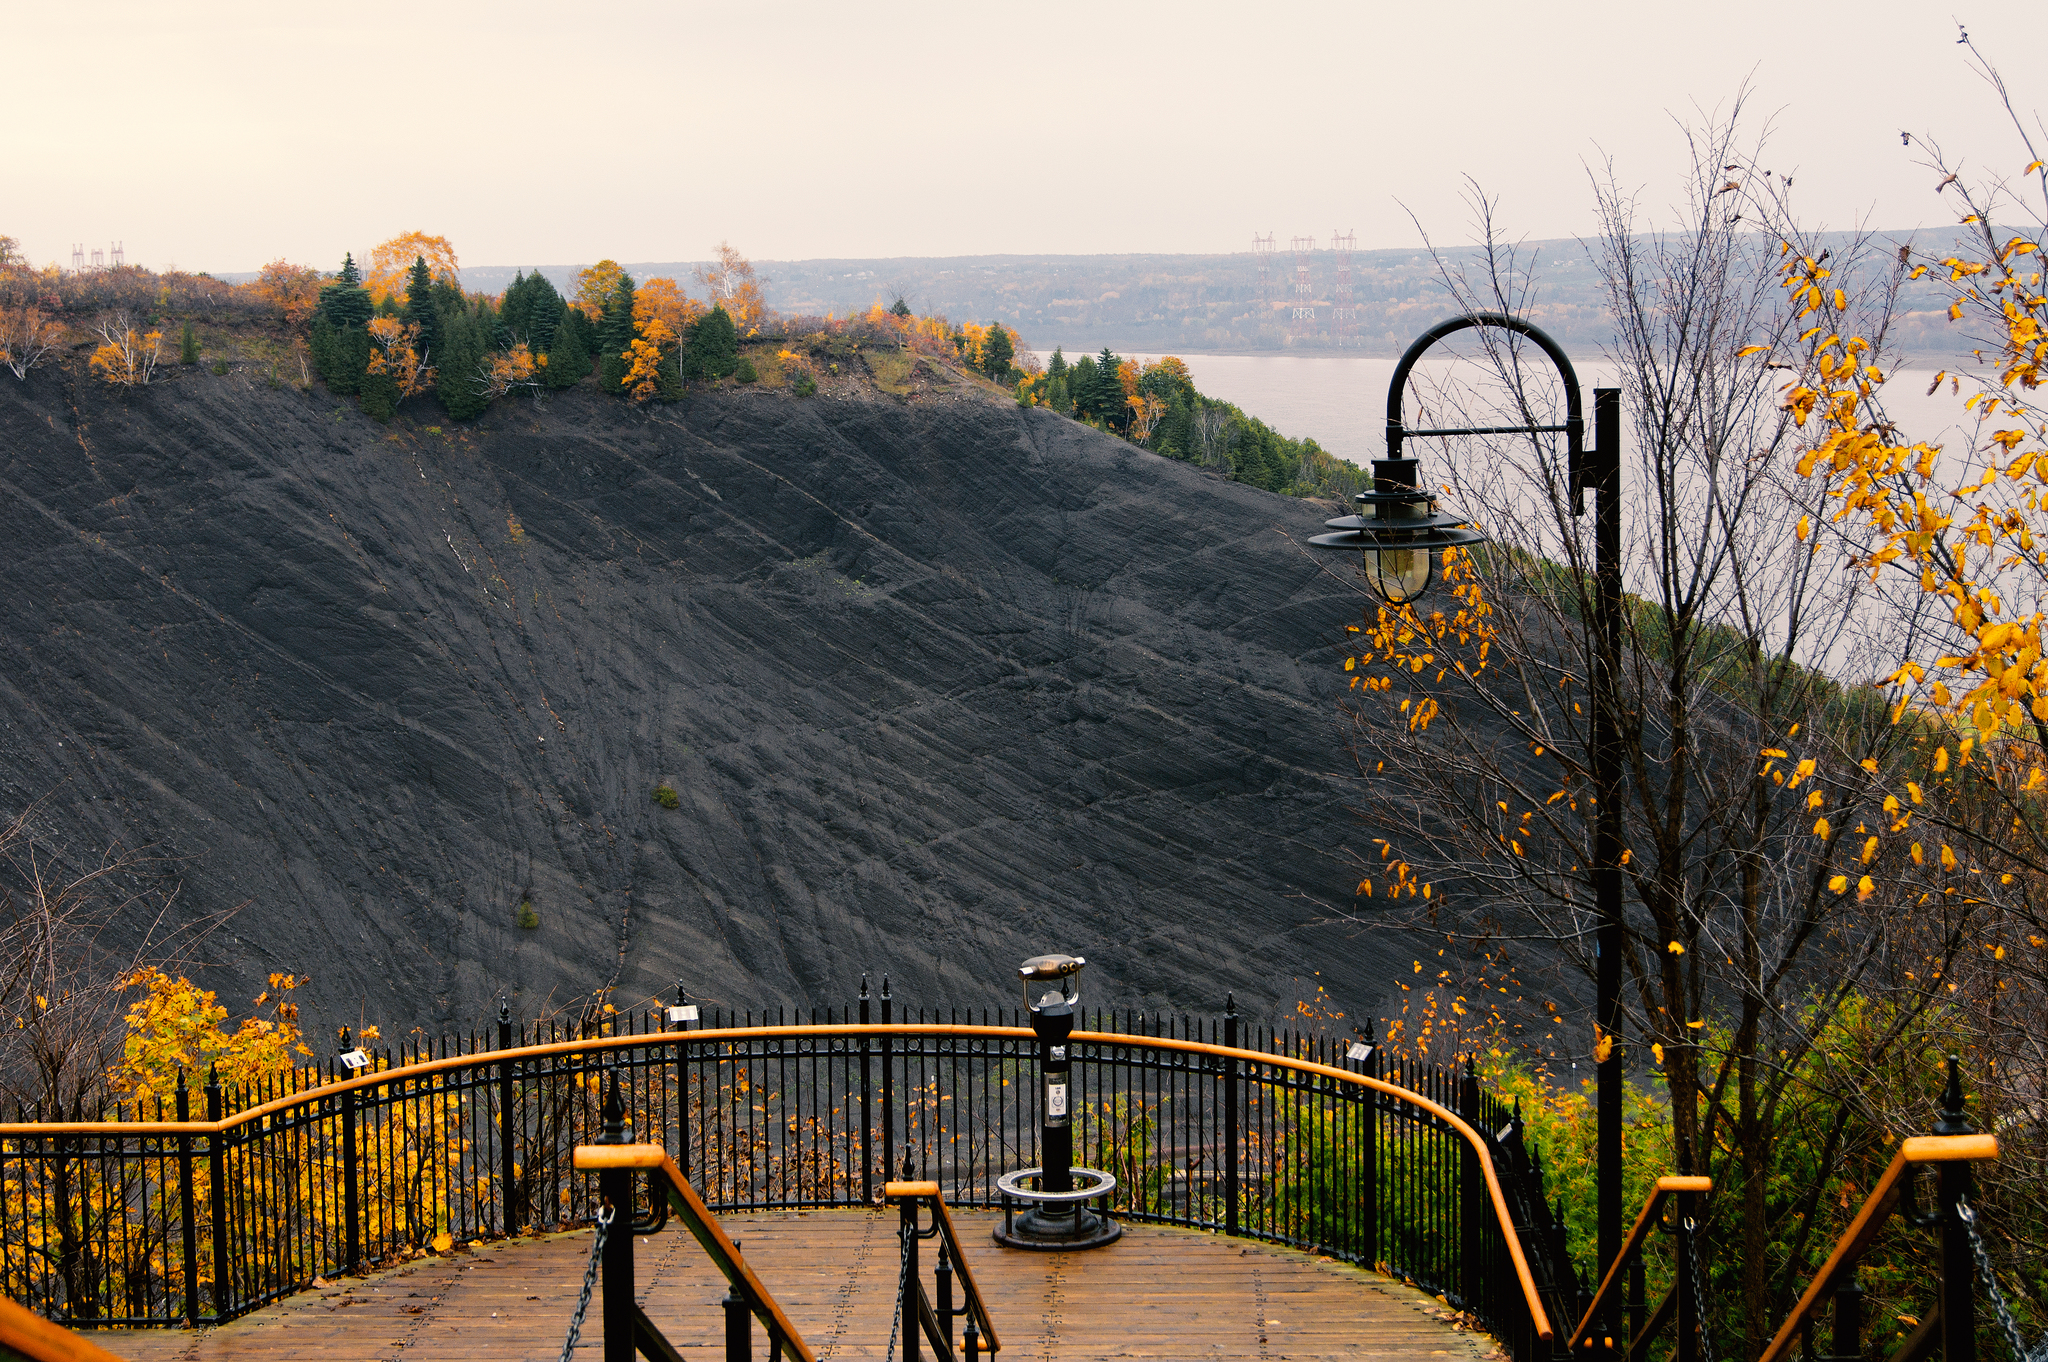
{"points": [[664, 300], [126, 355], [734, 286], [292, 289], [1764, 870], [595, 286], [27, 338], [391, 263]]}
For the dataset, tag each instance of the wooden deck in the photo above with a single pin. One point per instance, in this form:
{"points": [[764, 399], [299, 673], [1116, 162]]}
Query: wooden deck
{"points": [[1158, 1293]]}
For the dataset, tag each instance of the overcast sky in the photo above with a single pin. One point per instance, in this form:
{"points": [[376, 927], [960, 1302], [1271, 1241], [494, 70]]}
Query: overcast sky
{"points": [[218, 135]]}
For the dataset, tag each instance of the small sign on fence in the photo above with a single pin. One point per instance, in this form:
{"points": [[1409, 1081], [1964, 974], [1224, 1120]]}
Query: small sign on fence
{"points": [[1359, 1051], [355, 1059], [686, 1013]]}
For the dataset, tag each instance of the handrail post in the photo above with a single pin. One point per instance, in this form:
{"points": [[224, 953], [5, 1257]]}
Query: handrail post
{"points": [[1685, 1267], [217, 1201], [944, 1291], [508, 1171], [867, 1125], [351, 1187], [907, 1231], [683, 1089], [739, 1329], [888, 1085], [615, 1190], [1958, 1265], [1471, 1194], [188, 1227], [1230, 1116], [1848, 1317], [1369, 1149]]}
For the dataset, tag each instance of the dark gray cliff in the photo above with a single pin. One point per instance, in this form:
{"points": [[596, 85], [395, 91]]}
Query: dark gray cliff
{"points": [[942, 683]]}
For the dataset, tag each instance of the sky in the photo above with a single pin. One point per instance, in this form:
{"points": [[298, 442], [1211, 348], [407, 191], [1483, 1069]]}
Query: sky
{"points": [[220, 134]]}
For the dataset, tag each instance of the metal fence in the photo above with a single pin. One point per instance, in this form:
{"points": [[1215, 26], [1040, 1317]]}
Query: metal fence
{"points": [[166, 1220]]}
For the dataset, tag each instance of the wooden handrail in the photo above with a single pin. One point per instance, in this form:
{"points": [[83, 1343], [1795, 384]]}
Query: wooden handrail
{"points": [[1652, 1205], [704, 1227], [1539, 1318], [894, 1191], [1877, 1208], [28, 1334]]}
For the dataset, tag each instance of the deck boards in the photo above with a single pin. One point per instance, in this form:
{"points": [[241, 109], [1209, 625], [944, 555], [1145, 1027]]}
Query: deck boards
{"points": [[1157, 1293]]}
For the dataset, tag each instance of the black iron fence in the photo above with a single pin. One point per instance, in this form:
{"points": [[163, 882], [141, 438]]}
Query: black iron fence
{"points": [[159, 1218]]}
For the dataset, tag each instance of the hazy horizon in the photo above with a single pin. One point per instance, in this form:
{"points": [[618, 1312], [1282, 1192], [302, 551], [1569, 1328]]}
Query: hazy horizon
{"points": [[810, 132]]}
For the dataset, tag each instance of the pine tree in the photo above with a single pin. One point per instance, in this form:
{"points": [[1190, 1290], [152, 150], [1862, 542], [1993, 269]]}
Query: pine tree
{"points": [[422, 310], [711, 349], [615, 337], [460, 361], [188, 345], [1057, 365], [568, 359], [900, 308], [997, 350]]}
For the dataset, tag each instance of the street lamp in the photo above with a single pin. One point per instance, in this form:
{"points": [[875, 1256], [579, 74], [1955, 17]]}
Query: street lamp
{"points": [[1396, 543]]}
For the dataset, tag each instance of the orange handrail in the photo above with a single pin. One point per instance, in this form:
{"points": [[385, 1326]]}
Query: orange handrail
{"points": [[30, 1335], [1539, 1318], [1652, 1204], [897, 1191], [1877, 1208], [704, 1227]]}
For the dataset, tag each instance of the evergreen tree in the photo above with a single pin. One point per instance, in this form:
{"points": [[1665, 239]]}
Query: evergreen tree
{"points": [[379, 397], [421, 308], [350, 276], [997, 350], [615, 336], [348, 358], [568, 358], [544, 313], [188, 345], [461, 359], [515, 317], [1057, 365], [1081, 386], [900, 308], [711, 347]]}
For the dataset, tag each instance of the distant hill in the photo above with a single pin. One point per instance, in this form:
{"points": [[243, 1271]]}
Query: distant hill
{"points": [[1159, 304], [941, 683]]}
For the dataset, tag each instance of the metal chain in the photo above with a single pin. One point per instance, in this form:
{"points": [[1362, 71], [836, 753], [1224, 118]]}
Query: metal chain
{"points": [[604, 1224], [1699, 1289], [1968, 1215], [902, 1285]]}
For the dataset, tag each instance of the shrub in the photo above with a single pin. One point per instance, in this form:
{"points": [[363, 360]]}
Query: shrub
{"points": [[220, 367], [806, 386], [745, 373], [527, 918], [188, 345], [666, 796]]}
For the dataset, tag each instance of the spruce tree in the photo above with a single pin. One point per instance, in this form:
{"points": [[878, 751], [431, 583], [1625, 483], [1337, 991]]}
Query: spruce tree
{"points": [[615, 336], [711, 347], [997, 351], [901, 308], [544, 313], [1057, 365], [422, 310], [350, 276], [568, 359], [515, 317], [461, 359], [188, 345]]}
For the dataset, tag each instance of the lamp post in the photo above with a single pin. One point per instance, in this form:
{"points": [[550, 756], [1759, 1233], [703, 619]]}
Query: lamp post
{"points": [[1396, 541]]}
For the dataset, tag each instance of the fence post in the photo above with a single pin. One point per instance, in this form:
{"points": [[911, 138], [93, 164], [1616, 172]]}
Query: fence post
{"points": [[1685, 1267], [508, 1128], [739, 1326], [1958, 1265], [351, 1187], [888, 1085], [68, 1250], [217, 1201], [187, 1226], [867, 1124], [615, 1190], [1471, 1193], [1230, 1116], [1369, 1150], [907, 1290], [1848, 1318], [683, 1090]]}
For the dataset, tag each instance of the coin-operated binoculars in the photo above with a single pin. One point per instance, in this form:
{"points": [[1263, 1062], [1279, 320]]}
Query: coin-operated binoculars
{"points": [[1056, 1214]]}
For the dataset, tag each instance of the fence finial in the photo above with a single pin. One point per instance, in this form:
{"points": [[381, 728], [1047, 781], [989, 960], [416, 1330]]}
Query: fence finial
{"points": [[614, 1112], [1953, 1121], [863, 984], [504, 1009]]}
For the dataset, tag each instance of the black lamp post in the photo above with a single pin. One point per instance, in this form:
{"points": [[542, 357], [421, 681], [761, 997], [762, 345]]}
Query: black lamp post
{"points": [[1396, 542]]}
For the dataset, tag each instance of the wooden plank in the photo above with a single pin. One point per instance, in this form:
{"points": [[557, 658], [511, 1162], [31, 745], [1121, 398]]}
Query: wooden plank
{"points": [[1158, 1293]]}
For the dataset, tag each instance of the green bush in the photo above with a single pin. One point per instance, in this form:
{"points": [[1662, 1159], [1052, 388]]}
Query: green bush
{"points": [[745, 373], [527, 918], [806, 386], [666, 796], [220, 366], [188, 345]]}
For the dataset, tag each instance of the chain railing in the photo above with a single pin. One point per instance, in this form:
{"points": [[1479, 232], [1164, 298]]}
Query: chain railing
{"points": [[1209, 1123]]}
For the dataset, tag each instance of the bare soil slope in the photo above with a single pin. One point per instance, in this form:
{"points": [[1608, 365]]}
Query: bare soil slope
{"points": [[941, 683]]}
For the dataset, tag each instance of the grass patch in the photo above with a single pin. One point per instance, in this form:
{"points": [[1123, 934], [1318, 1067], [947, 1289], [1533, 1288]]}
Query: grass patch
{"points": [[666, 796], [893, 371]]}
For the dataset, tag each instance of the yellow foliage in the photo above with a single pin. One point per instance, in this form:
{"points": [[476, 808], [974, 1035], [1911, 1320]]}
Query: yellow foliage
{"points": [[394, 350], [392, 261], [125, 357], [177, 1025], [734, 285], [663, 300]]}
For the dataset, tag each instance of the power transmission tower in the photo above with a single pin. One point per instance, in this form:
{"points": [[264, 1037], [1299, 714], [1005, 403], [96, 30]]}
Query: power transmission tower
{"points": [[117, 257], [99, 260], [1262, 251], [1304, 295], [1343, 311], [77, 258]]}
